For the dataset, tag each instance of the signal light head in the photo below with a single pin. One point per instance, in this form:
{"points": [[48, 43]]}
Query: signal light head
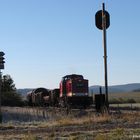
{"points": [[2, 60]]}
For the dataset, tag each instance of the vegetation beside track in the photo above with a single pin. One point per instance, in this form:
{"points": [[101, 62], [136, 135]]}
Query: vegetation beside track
{"points": [[78, 125]]}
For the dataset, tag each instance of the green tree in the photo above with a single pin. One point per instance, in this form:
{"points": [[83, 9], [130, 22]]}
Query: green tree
{"points": [[7, 84], [9, 96]]}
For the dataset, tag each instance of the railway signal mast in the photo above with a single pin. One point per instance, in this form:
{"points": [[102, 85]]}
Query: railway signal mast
{"points": [[1, 67], [102, 21]]}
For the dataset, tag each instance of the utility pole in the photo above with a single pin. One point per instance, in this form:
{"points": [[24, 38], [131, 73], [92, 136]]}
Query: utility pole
{"points": [[102, 19], [105, 53]]}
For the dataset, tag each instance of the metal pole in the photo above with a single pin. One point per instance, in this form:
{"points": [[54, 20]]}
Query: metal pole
{"points": [[105, 53], [0, 96]]}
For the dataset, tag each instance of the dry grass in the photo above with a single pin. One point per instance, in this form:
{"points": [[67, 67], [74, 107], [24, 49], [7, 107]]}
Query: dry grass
{"points": [[74, 121], [130, 117], [29, 136], [68, 127], [125, 96]]}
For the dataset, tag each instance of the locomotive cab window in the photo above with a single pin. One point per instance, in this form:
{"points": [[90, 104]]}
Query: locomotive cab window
{"points": [[80, 85]]}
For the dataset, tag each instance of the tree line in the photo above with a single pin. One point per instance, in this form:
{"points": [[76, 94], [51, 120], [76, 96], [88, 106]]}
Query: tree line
{"points": [[9, 95]]}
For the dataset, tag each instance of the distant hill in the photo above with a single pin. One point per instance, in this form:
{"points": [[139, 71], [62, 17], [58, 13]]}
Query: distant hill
{"points": [[116, 88], [134, 87], [24, 91]]}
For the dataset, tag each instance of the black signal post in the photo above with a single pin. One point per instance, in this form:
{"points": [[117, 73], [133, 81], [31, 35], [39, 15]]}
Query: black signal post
{"points": [[102, 20], [1, 67]]}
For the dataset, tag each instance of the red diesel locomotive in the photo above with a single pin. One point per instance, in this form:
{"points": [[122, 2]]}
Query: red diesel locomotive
{"points": [[73, 91]]}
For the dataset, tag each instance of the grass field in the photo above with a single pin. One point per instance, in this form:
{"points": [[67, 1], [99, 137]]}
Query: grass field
{"points": [[128, 105], [125, 96], [53, 124], [79, 125]]}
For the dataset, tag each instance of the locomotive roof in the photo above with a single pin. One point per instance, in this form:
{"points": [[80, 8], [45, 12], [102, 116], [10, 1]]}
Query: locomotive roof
{"points": [[72, 76], [40, 90]]}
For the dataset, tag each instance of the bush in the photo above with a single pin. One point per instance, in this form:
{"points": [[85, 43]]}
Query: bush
{"points": [[117, 101], [9, 96], [131, 101], [121, 101], [11, 99]]}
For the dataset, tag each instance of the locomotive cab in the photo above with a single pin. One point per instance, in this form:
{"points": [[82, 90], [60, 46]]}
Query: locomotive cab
{"points": [[74, 90]]}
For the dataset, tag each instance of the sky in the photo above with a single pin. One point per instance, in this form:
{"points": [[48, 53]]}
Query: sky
{"points": [[44, 40]]}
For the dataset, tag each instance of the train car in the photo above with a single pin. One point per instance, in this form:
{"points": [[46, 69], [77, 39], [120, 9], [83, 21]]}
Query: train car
{"points": [[74, 91], [29, 98], [36, 96], [54, 97]]}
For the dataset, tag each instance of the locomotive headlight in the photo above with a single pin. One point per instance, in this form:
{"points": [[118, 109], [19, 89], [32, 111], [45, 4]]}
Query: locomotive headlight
{"points": [[73, 93], [70, 94]]}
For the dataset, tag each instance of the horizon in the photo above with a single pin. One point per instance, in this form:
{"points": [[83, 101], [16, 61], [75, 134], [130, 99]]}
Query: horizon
{"points": [[88, 86], [46, 40]]}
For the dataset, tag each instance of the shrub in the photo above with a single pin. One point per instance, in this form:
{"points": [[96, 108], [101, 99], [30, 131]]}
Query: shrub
{"points": [[11, 99], [29, 136]]}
